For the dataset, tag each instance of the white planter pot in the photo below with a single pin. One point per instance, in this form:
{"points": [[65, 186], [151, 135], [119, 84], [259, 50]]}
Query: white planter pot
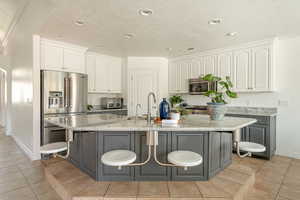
{"points": [[175, 116]]}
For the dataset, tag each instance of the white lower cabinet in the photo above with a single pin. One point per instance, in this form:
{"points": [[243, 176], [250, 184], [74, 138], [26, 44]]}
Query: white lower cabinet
{"points": [[104, 73]]}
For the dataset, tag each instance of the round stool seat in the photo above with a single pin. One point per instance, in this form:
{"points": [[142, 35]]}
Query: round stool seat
{"points": [[118, 158], [251, 147], [185, 158], [53, 148]]}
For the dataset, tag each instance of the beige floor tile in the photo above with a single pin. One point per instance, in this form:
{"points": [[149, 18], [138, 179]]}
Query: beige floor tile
{"points": [[20, 194], [234, 176], [183, 189], [281, 198], [153, 189], [12, 185], [77, 185], [289, 193], [50, 195], [96, 190], [269, 176], [7, 170], [228, 186], [42, 187], [10, 177], [241, 168], [65, 176], [255, 194], [296, 162], [271, 188], [122, 189], [208, 189]]}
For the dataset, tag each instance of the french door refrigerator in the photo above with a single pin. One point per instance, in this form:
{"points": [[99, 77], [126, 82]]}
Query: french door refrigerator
{"points": [[62, 93]]}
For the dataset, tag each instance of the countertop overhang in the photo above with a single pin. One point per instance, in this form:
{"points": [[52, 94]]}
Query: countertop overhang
{"points": [[111, 122]]}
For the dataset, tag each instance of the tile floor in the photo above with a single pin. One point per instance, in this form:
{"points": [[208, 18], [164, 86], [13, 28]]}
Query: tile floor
{"points": [[22, 179]]}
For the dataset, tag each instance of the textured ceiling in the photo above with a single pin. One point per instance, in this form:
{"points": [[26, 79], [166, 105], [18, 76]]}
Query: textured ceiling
{"points": [[10, 10], [176, 24]]}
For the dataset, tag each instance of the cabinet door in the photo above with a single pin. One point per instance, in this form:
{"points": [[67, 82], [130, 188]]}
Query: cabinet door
{"points": [[73, 61], [225, 66], [260, 79], [88, 146], [52, 57], [75, 150], [226, 149], [102, 74], [191, 141], [184, 74], [242, 63], [108, 141], [115, 75], [152, 171], [90, 70], [196, 68], [172, 77], [209, 65]]}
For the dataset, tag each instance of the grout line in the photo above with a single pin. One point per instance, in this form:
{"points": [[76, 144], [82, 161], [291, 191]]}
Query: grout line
{"points": [[281, 183], [28, 183]]}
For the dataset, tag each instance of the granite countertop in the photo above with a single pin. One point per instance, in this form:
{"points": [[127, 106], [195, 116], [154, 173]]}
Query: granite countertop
{"points": [[106, 110], [111, 122], [239, 110]]}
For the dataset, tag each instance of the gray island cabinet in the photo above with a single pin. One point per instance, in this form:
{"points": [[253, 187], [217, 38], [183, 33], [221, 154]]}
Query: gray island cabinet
{"points": [[87, 148], [94, 135]]}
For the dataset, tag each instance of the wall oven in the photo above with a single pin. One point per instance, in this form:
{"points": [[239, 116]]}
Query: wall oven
{"points": [[200, 87]]}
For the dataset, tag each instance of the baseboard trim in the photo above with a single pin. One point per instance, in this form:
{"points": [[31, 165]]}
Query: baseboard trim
{"points": [[24, 148]]}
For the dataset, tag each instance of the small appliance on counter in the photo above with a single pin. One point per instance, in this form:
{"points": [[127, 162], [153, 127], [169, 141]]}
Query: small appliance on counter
{"points": [[112, 102]]}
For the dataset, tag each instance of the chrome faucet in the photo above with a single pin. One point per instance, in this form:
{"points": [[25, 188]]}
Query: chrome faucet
{"points": [[149, 107]]}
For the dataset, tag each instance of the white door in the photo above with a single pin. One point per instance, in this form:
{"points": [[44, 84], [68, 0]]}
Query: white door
{"points": [[209, 65], [242, 63], [115, 75], [140, 84], [260, 71], [91, 72], [225, 66], [52, 57], [73, 61], [102, 74]]}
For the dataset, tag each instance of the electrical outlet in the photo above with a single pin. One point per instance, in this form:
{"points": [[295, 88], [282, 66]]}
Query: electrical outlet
{"points": [[283, 103]]}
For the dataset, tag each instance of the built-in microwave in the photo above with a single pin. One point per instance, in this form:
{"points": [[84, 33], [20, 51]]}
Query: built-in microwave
{"points": [[200, 87]]}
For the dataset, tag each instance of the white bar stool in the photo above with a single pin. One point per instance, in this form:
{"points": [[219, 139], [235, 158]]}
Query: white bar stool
{"points": [[118, 158], [248, 147], [185, 158]]}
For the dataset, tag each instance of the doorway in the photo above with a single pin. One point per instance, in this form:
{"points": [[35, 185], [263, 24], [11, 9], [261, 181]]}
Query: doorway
{"points": [[3, 99]]}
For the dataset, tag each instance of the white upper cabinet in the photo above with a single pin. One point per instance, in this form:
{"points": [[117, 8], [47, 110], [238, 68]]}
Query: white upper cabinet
{"points": [[242, 64], [52, 56], [196, 68], [209, 65], [179, 74], [261, 69], [73, 60], [249, 66], [104, 73], [90, 70], [61, 56]]}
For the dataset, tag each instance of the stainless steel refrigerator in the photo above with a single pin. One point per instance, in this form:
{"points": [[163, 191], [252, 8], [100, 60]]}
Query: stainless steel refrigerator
{"points": [[62, 93]]}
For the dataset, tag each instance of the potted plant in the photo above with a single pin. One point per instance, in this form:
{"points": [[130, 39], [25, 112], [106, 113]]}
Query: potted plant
{"points": [[217, 106], [175, 104]]}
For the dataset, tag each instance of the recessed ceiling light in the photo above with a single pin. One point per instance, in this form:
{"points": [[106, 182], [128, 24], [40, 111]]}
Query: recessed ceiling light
{"points": [[79, 22], [145, 12], [128, 36], [231, 34], [191, 49], [214, 21]]}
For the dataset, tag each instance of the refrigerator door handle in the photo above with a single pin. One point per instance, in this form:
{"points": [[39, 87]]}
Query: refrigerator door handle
{"points": [[66, 93], [70, 92]]}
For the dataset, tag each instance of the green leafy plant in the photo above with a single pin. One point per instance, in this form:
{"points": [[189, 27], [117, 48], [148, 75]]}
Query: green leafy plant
{"points": [[225, 89], [176, 99]]}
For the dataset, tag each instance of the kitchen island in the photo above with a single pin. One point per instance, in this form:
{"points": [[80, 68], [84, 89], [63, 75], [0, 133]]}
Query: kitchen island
{"points": [[96, 134]]}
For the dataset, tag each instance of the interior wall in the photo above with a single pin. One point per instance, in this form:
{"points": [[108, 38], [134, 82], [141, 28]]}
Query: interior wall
{"points": [[286, 98], [20, 51]]}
